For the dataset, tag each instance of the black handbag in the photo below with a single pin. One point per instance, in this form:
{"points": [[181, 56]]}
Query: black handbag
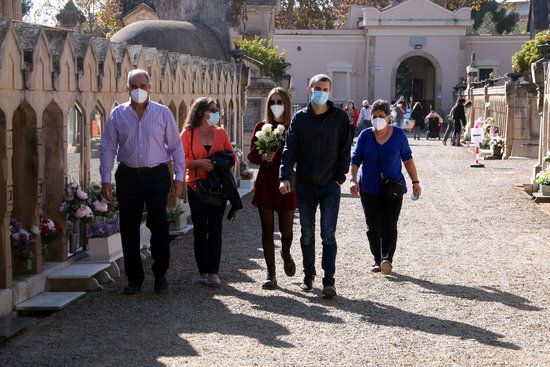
{"points": [[208, 191], [391, 188]]}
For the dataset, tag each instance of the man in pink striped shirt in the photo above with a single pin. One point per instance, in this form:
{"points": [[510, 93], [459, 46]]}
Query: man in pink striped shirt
{"points": [[145, 135]]}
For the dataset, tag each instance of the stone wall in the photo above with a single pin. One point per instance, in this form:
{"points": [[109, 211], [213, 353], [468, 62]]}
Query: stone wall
{"points": [[513, 106], [57, 91]]}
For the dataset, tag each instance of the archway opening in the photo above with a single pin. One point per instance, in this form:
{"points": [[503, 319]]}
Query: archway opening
{"points": [[97, 127], [182, 115], [415, 79], [25, 166], [54, 174]]}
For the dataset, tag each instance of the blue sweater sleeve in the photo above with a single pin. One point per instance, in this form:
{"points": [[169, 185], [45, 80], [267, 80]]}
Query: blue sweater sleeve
{"points": [[406, 152]]}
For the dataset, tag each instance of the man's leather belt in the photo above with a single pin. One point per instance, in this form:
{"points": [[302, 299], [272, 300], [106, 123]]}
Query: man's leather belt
{"points": [[143, 169]]}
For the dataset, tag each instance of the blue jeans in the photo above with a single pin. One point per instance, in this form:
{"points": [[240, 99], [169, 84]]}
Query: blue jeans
{"points": [[328, 199]]}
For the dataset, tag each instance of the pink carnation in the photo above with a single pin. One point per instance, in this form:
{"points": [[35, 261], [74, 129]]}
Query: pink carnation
{"points": [[83, 212], [101, 207], [81, 195]]}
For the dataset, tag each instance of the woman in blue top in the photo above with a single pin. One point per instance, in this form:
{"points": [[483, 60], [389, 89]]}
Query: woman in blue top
{"points": [[381, 148]]}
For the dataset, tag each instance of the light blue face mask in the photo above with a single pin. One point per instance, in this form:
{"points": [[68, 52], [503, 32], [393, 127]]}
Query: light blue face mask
{"points": [[319, 97]]}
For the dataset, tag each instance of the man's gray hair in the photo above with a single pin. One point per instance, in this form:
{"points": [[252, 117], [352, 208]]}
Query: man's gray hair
{"points": [[138, 72], [319, 78]]}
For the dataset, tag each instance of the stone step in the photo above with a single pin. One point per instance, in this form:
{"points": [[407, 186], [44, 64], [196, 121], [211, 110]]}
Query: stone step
{"points": [[80, 277], [49, 301], [10, 326]]}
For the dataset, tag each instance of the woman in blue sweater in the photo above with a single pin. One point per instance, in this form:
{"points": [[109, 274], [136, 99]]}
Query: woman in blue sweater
{"points": [[379, 152]]}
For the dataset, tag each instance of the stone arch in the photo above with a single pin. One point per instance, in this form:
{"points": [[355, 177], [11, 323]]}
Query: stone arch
{"points": [[438, 78], [182, 115], [232, 121], [173, 109], [25, 165], [97, 126], [75, 136], [5, 204], [55, 157]]}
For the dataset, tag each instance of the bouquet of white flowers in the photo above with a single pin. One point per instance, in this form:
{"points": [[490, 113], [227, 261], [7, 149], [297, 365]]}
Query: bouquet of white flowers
{"points": [[269, 140]]}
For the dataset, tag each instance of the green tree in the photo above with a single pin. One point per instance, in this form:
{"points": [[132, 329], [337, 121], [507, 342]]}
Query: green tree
{"points": [[262, 50], [26, 6], [330, 14], [100, 15], [503, 19], [488, 25], [529, 52]]}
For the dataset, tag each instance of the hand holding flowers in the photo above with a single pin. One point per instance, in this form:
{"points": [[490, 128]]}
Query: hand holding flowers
{"points": [[269, 140]]}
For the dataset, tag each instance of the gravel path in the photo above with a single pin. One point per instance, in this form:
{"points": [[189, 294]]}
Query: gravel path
{"points": [[470, 288]]}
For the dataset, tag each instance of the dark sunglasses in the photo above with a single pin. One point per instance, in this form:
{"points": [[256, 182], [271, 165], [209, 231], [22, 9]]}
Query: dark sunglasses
{"points": [[213, 110], [279, 102]]}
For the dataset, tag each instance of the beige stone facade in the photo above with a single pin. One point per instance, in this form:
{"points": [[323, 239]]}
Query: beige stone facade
{"points": [[57, 89]]}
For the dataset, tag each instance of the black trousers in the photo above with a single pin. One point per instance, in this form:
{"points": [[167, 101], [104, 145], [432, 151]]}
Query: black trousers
{"points": [[136, 188], [381, 214], [207, 234]]}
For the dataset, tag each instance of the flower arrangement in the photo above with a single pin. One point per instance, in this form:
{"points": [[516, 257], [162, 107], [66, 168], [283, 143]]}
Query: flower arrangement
{"points": [[100, 207], [174, 213], [75, 204], [238, 151], [103, 228], [269, 140], [49, 231], [247, 175], [489, 129], [21, 239], [497, 142], [543, 177]]}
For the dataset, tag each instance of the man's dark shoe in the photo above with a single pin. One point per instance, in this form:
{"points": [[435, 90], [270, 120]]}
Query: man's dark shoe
{"points": [[329, 291], [132, 288], [289, 265], [161, 284], [307, 285]]}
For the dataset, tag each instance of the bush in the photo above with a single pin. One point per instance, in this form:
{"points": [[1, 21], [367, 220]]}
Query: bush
{"points": [[529, 52], [262, 50]]}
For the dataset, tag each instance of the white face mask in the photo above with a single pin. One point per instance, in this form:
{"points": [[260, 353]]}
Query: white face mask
{"points": [[139, 95], [379, 123], [277, 110], [214, 118]]}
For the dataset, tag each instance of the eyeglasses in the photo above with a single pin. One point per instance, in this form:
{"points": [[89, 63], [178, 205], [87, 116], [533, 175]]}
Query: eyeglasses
{"points": [[279, 102]]}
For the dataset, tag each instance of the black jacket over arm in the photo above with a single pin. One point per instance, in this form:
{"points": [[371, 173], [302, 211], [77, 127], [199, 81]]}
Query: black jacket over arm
{"points": [[320, 145], [459, 114]]}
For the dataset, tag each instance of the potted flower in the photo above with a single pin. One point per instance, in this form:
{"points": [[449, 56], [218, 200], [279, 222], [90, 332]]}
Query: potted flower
{"points": [[49, 232], [103, 234], [75, 205], [246, 179], [174, 217], [237, 149], [543, 179], [497, 144], [21, 240]]}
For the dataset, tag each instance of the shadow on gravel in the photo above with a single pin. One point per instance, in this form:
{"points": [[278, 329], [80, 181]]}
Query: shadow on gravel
{"points": [[483, 294], [385, 315]]}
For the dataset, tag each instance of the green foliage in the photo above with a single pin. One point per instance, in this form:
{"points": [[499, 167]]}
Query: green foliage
{"points": [[502, 20], [529, 52], [262, 50], [174, 213], [488, 25], [26, 6]]}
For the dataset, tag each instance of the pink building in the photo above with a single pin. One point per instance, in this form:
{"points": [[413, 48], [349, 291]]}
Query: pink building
{"points": [[426, 42]]}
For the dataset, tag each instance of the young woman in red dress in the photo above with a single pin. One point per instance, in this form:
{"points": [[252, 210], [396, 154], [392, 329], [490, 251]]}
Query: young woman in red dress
{"points": [[267, 197]]}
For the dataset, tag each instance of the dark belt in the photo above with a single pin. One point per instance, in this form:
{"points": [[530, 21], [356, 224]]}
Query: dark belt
{"points": [[143, 169]]}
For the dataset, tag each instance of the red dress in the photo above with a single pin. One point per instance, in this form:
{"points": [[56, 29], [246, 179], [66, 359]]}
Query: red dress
{"points": [[266, 188]]}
